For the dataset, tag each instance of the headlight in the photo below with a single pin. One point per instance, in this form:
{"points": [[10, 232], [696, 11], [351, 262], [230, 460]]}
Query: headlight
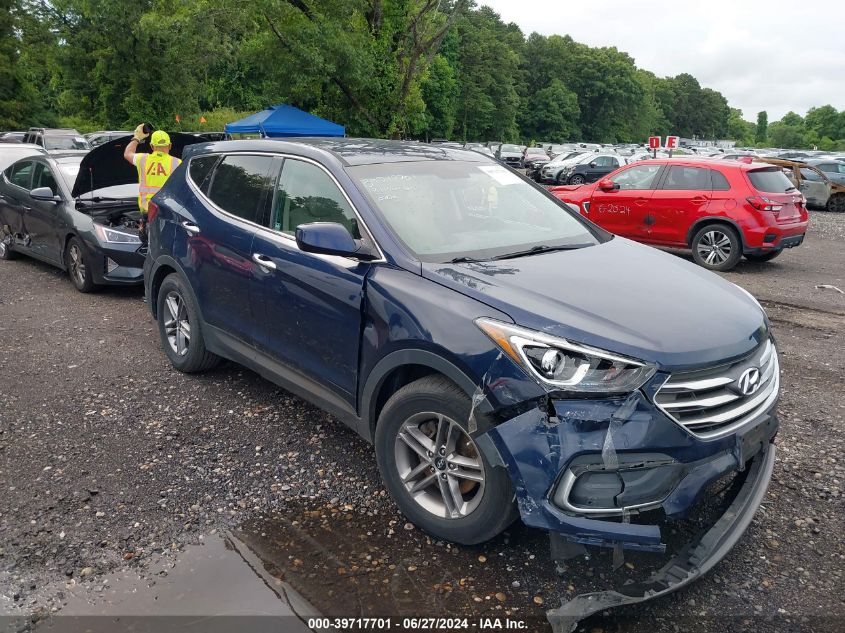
{"points": [[110, 236], [557, 363]]}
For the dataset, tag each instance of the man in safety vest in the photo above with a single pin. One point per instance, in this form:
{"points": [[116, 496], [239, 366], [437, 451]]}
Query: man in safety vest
{"points": [[153, 169]]}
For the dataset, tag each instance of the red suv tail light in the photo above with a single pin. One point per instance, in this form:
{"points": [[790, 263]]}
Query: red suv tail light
{"points": [[761, 203], [152, 211]]}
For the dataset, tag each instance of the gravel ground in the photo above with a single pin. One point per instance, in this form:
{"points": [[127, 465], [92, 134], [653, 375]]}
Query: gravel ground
{"points": [[109, 460]]}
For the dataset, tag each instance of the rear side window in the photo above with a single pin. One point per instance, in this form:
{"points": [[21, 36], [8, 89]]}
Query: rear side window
{"points": [[770, 180], [238, 185], [720, 183], [307, 194], [200, 170], [21, 174], [684, 178]]}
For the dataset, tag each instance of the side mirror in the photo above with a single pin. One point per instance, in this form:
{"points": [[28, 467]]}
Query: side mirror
{"points": [[593, 164], [608, 185], [330, 238], [44, 193]]}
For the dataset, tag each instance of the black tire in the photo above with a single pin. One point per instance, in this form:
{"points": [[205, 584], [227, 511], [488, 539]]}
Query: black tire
{"points": [[764, 257], [6, 252], [189, 356], [494, 508], [728, 251], [577, 179], [78, 266], [836, 203]]}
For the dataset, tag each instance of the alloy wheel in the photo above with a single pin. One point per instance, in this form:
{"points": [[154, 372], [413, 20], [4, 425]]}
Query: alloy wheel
{"points": [[439, 465], [77, 265], [177, 327], [714, 248]]}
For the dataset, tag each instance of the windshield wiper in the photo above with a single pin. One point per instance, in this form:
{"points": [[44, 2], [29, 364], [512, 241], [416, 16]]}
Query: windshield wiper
{"points": [[463, 259], [540, 248], [790, 189]]}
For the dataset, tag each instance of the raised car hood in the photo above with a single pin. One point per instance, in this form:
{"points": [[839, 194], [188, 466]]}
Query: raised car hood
{"points": [[104, 165], [619, 296]]}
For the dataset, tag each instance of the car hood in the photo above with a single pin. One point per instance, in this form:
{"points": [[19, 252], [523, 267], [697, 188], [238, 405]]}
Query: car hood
{"points": [[620, 296], [104, 165]]}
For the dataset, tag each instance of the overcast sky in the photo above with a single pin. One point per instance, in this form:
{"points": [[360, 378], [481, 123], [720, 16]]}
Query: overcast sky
{"points": [[773, 55]]}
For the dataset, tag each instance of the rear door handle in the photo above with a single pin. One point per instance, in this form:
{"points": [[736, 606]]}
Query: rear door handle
{"points": [[263, 261], [698, 200], [190, 227]]}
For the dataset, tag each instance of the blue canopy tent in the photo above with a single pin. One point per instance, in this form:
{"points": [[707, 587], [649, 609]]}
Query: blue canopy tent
{"points": [[285, 120]]}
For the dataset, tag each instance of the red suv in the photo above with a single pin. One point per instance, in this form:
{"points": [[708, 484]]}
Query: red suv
{"points": [[721, 210]]}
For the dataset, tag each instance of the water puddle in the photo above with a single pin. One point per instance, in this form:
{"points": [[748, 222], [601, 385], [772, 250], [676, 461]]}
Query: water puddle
{"points": [[216, 586]]}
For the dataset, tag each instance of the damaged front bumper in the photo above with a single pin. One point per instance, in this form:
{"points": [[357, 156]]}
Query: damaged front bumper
{"points": [[693, 561], [584, 468]]}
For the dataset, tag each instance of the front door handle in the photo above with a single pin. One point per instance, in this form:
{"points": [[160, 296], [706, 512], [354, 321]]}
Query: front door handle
{"points": [[264, 262], [641, 201], [25, 208], [190, 227]]}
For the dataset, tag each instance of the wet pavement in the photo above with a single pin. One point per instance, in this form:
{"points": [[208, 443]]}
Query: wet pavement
{"points": [[208, 587]]}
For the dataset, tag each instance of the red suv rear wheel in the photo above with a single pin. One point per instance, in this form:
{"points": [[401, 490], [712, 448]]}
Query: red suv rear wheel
{"points": [[716, 247]]}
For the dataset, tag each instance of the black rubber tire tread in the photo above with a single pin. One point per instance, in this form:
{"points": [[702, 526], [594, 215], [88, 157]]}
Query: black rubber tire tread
{"points": [[198, 358], [736, 247], [497, 509], [88, 284], [836, 203], [765, 257]]}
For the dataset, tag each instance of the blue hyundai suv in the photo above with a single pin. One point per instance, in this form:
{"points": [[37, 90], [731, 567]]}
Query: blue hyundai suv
{"points": [[506, 356]]}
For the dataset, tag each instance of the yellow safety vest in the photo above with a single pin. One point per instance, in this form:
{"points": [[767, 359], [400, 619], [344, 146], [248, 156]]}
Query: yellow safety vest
{"points": [[153, 171]]}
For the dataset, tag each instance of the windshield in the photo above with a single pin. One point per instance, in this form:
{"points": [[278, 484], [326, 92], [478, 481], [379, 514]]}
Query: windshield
{"points": [[770, 180], [66, 142], [536, 150], [510, 148], [443, 210]]}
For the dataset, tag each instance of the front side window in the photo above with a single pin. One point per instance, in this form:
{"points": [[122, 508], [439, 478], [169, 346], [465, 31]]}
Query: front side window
{"points": [[43, 177], [238, 185], [638, 177], [20, 174], [684, 178], [307, 194], [444, 210], [809, 174]]}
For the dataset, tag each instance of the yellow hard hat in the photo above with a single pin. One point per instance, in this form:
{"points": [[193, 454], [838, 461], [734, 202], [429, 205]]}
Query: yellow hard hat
{"points": [[160, 138]]}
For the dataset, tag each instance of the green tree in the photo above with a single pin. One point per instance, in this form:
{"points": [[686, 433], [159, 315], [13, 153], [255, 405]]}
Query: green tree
{"points": [[762, 130], [739, 129], [18, 99], [825, 121], [552, 114], [440, 93]]}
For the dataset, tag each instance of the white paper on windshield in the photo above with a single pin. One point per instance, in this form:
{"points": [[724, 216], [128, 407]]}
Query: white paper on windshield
{"points": [[79, 139], [500, 174]]}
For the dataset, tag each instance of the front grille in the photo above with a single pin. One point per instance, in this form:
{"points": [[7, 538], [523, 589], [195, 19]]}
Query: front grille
{"points": [[710, 402]]}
